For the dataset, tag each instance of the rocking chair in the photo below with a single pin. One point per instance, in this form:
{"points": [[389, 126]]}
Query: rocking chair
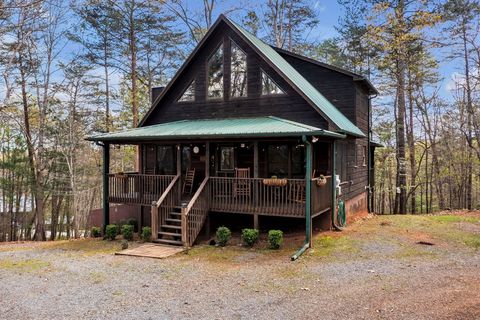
{"points": [[241, 185], [188, 183]]}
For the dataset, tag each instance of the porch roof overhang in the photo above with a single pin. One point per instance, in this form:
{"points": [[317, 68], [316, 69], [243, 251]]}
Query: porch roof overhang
{"points": [[261, 127]]}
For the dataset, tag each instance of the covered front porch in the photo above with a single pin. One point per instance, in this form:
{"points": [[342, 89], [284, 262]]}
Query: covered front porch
{"points": [[284, 172]]}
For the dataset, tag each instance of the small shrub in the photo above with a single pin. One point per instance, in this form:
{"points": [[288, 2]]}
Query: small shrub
{"points": [[127, 231], [275, 239], [96, 232], [119, 226], [250, 236], [111, 232], [134, 223], [146, 234], [223, 235], [124, 244]]}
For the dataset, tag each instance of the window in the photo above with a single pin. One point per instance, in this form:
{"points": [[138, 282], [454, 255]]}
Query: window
{"points": [[215, 75], [227, 158], [269, 86], [189, 94], [364, 156], [298, 161], [238, 75], [277, 160], [166, 160]]}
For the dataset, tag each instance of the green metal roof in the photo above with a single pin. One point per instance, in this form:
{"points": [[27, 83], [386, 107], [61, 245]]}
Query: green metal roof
{"points": [[316, 98], [216, 128]]}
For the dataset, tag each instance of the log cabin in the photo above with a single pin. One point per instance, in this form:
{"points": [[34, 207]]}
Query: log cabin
{"points": [[247, 128]]}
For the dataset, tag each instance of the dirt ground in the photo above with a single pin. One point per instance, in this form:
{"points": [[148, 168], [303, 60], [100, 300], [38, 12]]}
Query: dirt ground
{"points": [[383, 267]]}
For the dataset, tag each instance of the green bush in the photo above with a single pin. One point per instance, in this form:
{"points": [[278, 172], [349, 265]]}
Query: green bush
{"points": [[275, 239], [119, 226], [146, 234], [111, 232], [127, 231], [134, 223], [250, 236], [223, 235], [96, 232]]}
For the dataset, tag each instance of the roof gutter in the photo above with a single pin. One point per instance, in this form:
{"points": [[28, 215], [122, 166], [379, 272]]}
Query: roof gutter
{"points": [[323, 133]]}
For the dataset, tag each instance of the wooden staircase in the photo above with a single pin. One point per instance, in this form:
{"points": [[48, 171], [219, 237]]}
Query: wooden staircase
{"points": [[177, 225], [170, 232]]}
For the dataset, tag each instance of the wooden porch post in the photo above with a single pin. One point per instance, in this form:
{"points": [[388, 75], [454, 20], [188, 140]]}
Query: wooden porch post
{"points": [[255, 175], [106, 171], [179, 168], [207, 174]]}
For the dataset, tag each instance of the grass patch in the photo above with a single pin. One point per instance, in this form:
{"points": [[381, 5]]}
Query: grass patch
{"points": [[449, 218], [87, 247], [29, 265], [326, 246], [472, 241], [414, 252], [216, 254]]}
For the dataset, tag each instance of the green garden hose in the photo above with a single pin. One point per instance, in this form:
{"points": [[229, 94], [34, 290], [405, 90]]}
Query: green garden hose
{"points": [[340, 220]]}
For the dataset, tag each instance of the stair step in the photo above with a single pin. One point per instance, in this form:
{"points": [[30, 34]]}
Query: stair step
{"points": [[170, 226], [175, 213], [173, 234], [173, 220], [165, 241]]}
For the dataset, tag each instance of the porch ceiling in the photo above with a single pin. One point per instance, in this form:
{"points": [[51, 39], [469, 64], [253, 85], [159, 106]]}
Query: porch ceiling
{"points": [[217, 128]]}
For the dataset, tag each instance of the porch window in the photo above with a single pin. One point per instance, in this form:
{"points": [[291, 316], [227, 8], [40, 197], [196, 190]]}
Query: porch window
{"points": [[166, 160], [298, 161], [269, 87], [215, 75], [227, 158], [238, 75], [277, 155], [189, 94]]}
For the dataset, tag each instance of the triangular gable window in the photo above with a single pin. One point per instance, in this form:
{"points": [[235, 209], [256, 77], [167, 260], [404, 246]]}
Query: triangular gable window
{"points": [[189, 94], [269, 86], [215, 75], [238, 81]]}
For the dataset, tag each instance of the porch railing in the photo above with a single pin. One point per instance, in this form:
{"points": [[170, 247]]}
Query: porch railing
{"points": [[276, 197], [321, 195], [134, 188], [195, 213], [164, 205]]}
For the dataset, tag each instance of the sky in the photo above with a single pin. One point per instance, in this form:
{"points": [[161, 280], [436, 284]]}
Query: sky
{"points": [[329, 12]]}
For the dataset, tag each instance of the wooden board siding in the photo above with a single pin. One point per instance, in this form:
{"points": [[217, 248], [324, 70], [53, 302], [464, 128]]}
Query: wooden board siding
{"points": [[337, 87], [290, 106], [361, 107]]}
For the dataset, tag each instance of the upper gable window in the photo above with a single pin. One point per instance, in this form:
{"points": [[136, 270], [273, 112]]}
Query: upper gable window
{"points": [[215, 75], [238, 77], [189, 94], [269, 86]]}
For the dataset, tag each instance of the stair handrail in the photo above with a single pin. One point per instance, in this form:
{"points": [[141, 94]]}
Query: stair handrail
{"points": [[196, 195], [186, 210], [156, 204]]}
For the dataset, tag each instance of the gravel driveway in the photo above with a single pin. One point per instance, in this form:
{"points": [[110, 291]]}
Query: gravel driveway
{"points": [[374, 270]]}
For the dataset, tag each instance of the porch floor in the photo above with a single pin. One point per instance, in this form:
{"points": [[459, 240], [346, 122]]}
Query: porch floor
{"points": [[150, 250]]}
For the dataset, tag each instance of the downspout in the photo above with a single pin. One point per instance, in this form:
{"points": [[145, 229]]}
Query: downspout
{"points": [[334, 187], [308, 191]]}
